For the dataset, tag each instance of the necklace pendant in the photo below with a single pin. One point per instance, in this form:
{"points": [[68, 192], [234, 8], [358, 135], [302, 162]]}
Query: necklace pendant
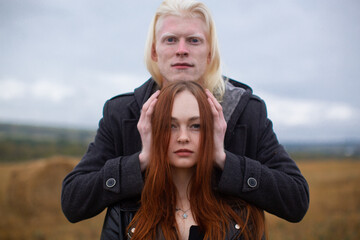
{"points": [[184, 216]]}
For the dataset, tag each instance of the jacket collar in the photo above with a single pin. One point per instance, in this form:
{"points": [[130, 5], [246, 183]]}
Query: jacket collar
{"points": [[238, 84], [142, 94], [238, 107]]}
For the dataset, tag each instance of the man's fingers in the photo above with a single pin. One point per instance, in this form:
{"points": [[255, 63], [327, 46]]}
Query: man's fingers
{"points": [[212, 106], [151, 108], [217, 112], [215, 105], [213, 100], [149, 101], [219, 129]]}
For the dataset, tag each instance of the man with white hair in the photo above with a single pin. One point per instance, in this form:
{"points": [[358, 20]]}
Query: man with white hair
{"points": [[182, 45]]}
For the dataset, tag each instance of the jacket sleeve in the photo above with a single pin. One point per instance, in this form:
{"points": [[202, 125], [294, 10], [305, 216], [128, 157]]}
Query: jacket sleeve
{"points": [[101, 178], [271, 180]]}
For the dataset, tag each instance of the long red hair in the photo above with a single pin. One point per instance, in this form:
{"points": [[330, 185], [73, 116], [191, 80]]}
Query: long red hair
{"points": [[212, 212]]}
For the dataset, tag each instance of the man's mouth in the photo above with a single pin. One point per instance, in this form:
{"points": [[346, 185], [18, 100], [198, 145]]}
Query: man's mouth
{"points": [[182, 65]]}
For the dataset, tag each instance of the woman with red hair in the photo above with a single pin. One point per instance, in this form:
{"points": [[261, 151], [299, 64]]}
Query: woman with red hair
{"points": [[179, 200]]}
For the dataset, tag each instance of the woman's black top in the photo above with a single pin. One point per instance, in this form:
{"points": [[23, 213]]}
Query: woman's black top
{"points": [[195, 233]]}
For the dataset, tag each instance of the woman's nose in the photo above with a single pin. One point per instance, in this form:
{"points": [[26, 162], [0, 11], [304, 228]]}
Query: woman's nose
{"points": [[183, 136]]}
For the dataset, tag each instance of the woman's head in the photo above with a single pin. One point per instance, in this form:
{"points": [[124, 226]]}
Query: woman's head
{"points": [[182, 126], [182, 120]]}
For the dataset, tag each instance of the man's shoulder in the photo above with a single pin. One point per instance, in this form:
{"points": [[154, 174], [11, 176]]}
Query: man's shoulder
{"points": [[120, 102], [139, 93], [245, 88], [238, 84], [122, 97]]}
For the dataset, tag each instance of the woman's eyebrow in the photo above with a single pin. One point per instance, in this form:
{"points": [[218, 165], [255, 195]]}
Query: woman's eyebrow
{"points": [[190, 119], [194, 118]]}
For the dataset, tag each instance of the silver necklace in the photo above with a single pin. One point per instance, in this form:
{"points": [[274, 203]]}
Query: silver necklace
{"points": [[184, 215]]}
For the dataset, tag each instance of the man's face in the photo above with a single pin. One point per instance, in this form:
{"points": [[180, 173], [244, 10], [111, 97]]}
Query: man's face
{"points": [[181, 50]]}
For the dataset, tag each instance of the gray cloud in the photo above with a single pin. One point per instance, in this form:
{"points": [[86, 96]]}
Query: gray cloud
{"points": [[65, 58]]}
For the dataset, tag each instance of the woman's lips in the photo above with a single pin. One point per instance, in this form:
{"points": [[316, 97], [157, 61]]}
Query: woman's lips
{"points": [[183, 152]]}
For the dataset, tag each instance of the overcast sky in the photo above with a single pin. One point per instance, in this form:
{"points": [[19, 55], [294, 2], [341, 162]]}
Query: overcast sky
{"points": [[60, 60]]}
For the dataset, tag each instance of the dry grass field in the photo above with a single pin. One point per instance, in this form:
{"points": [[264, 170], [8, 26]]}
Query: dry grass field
{"points": [[30, 203], [334, 211]]}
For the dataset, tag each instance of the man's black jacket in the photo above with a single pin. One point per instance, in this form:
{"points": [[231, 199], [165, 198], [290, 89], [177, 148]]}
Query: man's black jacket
{"points": [[257, 168]]}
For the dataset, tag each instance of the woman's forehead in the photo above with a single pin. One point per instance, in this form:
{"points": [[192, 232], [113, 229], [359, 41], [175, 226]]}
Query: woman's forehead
{"points": [[185, 106]]}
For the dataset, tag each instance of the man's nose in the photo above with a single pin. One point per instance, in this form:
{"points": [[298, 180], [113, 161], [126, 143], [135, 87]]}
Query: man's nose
{"points": [[182, 49]]}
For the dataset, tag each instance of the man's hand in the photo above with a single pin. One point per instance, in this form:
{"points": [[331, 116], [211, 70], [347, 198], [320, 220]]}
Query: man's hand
{"points": [[219, 130], [144, 127]]}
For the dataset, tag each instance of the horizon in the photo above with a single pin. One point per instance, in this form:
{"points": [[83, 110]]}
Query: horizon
{"points": [[61, 60], [50, 126]]}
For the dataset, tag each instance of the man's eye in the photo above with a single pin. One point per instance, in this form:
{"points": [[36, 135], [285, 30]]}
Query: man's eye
{"points": [[194, 40], [171, 40]]}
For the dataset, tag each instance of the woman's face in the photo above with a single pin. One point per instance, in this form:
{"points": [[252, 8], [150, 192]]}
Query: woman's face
{"points": [[185, 131]]}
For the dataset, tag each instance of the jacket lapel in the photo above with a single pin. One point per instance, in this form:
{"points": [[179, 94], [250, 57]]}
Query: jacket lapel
{"points": [[131, 136], [232, 123]]}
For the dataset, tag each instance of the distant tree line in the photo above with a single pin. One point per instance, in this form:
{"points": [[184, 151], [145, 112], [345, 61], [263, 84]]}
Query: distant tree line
{"points": [[16, 150], [21, 143]]}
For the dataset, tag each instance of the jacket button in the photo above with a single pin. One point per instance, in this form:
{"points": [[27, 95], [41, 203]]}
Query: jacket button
{"points": [[252, 182], [110, 182], [237, 226]]}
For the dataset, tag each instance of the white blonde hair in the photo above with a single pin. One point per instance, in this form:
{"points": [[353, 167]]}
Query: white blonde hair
{"points": [[188, 8]]}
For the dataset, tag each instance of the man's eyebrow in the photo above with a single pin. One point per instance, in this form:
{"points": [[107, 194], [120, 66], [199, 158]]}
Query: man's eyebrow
{"points": [[196, 36], [167, 34]]}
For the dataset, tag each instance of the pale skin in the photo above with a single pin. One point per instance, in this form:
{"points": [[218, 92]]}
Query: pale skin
{"points": [[144, 127], [183, 154], [181, 49], [183, 151], [182, 52]]}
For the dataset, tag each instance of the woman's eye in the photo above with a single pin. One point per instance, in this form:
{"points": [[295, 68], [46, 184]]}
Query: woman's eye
{"points": [[195, 126]]}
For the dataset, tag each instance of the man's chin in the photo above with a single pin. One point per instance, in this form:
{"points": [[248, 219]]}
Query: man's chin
{"points": [[183, 77]]}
